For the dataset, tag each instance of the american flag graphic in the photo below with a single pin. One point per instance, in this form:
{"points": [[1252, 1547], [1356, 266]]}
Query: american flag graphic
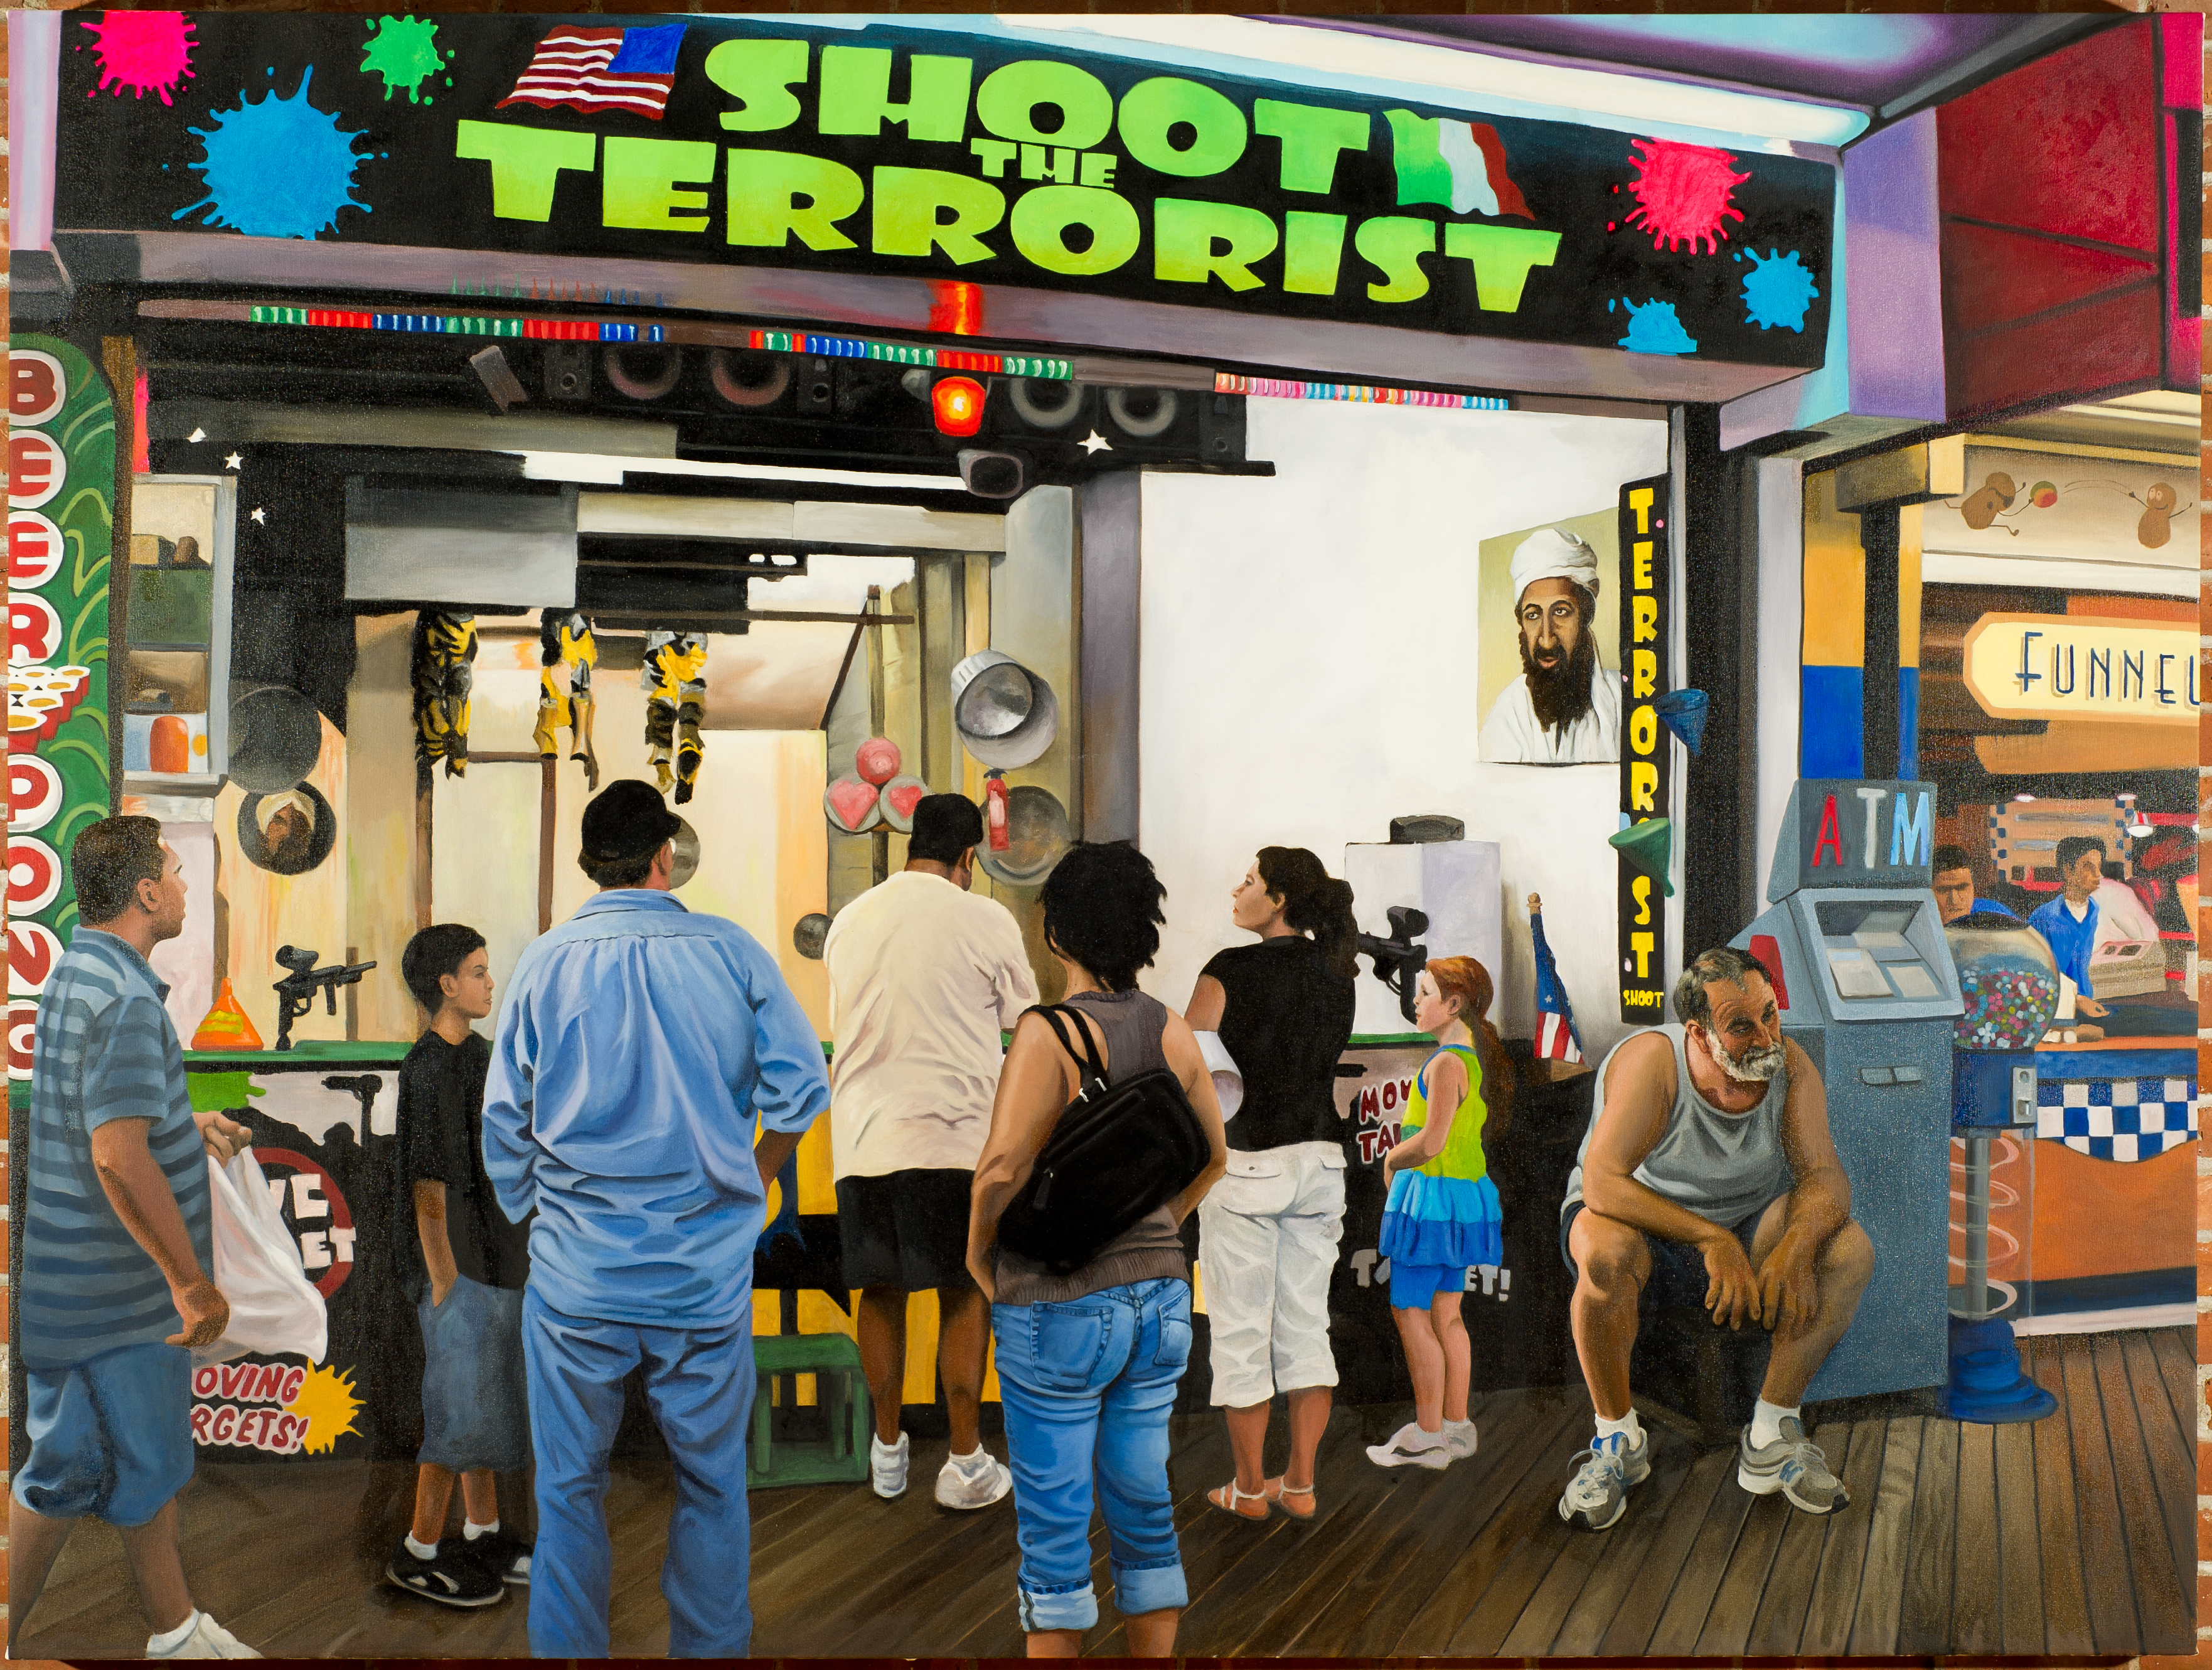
{"points": [[1556, 1038], [597, 69]]}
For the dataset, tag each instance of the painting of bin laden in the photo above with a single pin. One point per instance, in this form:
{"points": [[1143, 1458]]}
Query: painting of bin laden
{"points": [[1564, 707]]}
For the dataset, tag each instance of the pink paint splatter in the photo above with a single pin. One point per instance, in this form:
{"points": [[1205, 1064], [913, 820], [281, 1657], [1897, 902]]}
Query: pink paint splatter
{"points": [[1684, 192], [145, 51]]}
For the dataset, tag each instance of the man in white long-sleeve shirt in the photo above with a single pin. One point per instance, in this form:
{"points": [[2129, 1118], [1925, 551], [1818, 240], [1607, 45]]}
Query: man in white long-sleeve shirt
{"points": [[924, 977]]}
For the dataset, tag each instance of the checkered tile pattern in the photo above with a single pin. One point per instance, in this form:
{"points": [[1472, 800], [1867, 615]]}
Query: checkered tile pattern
{"points": [[2117, 1119]]}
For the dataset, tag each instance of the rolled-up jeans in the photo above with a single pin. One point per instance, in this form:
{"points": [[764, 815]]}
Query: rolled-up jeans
{"points": [[1087, 1385]]}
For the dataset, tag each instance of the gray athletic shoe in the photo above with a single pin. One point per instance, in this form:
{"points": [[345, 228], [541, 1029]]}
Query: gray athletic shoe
{"points": [[1793, 1465], [1604, 1473]]}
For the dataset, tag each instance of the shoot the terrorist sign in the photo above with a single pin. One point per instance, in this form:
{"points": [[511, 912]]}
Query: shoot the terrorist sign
{"points": [[888, 151]]}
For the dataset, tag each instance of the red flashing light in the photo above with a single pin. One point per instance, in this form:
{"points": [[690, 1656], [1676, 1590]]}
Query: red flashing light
{"points": [[956, 404]]}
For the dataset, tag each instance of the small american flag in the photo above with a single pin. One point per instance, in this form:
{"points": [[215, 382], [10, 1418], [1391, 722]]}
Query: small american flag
{"points": [[597, 69], [1556, 1038]]}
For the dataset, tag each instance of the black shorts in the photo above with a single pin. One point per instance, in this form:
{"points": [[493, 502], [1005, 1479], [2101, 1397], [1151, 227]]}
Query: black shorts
{"points": [[1678, 1269], [906, 1228]]}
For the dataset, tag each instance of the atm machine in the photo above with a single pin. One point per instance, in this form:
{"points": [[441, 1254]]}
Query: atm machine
{"points": [[1864, 980]]}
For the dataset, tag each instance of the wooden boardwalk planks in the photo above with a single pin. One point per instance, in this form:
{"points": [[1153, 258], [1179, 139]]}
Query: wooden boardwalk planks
{"points": [[1978, 1578], [2019, 1539], [2065, 1598], [1836, 1586], [2112, 1620], [2166, 1613], [1613, 1558], [1924, 1621], [1780, 1620]]}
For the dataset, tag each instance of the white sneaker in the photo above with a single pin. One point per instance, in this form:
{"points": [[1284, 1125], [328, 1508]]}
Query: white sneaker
{"points": [[968, 1482], [1411, 1446], [207, 1639], [1459, 1439], [887, 1466]]}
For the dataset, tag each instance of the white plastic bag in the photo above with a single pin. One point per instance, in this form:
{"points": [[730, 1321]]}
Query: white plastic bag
{"points": [[1228, 1077], [274, 1308]]}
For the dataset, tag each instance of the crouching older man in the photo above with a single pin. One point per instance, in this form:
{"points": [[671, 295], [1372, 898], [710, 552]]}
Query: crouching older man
{"points": [[1708, 1177]]}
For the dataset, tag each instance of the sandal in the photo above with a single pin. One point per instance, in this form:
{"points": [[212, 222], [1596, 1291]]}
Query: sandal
{"points": [[1276, 1490], [1214, 1500]]}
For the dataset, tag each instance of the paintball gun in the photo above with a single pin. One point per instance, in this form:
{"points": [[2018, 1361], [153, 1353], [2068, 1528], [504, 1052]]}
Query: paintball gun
{"points": [[296, 992], [1398, 960]]}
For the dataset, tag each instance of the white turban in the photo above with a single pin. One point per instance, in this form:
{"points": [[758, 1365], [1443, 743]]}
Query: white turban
{"points": [[1554, 553]]}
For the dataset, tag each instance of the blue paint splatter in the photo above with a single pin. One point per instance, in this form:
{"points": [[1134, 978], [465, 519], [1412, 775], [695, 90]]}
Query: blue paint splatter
{"points": [[1778, 291], [277, 168], [1654, 328]]}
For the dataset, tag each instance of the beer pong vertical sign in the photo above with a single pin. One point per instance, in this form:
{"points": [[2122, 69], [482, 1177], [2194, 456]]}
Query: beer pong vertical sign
{"points": [[61, 490], [1646, 762]]}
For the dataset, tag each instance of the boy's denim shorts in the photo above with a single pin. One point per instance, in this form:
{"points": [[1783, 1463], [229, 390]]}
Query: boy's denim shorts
{"points": [[475, 1405]]}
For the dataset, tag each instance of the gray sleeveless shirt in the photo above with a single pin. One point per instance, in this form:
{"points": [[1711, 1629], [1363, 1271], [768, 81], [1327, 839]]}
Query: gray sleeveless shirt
{"points": [[1149, 1249], [1724, 1167]]}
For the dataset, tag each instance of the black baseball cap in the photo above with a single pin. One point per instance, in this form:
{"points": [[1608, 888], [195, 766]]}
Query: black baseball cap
{"points": [[626, 820]]}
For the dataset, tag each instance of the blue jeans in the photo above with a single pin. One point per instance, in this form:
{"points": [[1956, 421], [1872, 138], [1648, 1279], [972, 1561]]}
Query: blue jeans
{"points": [[1087, 1385], [699, 1383]]}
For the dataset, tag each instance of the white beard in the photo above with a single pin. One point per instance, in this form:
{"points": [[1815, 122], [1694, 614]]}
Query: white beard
{"points": [[1757, 1066]]}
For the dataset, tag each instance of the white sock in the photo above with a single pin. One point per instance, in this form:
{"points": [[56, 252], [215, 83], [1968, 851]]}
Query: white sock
{"points": [[470, 1530], [881, 1448], [1766, 1420], [1630, 1428], [1414, 1438], [973, 1461], [175, 1638], [421, 1550], [1457, 1426]]}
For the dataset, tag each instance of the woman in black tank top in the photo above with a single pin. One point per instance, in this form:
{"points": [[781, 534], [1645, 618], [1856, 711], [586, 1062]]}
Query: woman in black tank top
{"points": [[1267, 1237], [1089, 1362]]}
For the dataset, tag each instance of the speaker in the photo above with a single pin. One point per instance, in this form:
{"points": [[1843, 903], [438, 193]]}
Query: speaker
{"points": [[992, 475], [1044, 406], [276, 737], [748, 380], [817, 386], [641, 372], [568, 367]]}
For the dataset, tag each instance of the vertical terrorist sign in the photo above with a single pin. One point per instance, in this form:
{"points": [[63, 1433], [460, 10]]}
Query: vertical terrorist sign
{"points": [[1646, 763]]}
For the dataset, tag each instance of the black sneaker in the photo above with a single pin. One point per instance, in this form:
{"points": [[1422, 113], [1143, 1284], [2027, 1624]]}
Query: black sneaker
{"points": [[453, 1578], [505, 1555]]}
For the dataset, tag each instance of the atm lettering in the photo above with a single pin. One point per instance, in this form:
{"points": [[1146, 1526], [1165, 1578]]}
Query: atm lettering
{"points": [[1873, 798], [1830, 838], [1912, 834]]}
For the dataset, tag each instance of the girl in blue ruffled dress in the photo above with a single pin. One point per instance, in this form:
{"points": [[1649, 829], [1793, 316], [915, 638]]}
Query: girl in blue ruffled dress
{"points": [[1443, 1215]]}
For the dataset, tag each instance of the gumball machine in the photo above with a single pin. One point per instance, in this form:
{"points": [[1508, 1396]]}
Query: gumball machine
{"points": [[2009, 980]]}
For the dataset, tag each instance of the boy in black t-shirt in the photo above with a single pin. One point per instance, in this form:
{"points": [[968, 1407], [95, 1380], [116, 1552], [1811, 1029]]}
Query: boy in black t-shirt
{"points": [[467, 1284]]}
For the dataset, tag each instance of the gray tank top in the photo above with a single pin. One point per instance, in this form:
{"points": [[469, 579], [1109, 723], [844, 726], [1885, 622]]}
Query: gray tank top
{"points": [[1149, 1249], [1724, 1167]]}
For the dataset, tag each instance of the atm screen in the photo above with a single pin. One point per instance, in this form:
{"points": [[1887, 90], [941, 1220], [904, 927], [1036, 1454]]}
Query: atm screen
{"points": [[1869, 954]]}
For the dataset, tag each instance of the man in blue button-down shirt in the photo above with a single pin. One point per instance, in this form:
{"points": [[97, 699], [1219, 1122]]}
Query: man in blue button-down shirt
{"points": [[636, 1046]]}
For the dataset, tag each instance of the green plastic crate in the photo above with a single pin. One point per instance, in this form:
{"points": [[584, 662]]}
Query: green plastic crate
{"points": [[777, 1456]]}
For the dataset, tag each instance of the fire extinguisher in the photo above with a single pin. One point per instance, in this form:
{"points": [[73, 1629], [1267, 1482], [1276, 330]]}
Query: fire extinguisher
{"points": [[995, 809]]}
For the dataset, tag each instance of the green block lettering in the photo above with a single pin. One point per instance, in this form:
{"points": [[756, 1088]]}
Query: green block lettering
{"points": [[1007, 103], [1152, 108], [1501, 257], [526, 163], [1396, 243], [773, 194], [910, 207], [856, 93], [1042, 217], [1313, 250], [638, 186], [1312, 137], [1194, 242], [759, 75]]}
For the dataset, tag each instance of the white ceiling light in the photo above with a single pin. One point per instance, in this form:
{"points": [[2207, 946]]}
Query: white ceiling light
{"points": [[1387, 67], [606, 470]]}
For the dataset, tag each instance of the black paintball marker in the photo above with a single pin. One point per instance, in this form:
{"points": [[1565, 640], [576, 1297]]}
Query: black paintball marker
{"points": [[296, 992], [1398, 960]]}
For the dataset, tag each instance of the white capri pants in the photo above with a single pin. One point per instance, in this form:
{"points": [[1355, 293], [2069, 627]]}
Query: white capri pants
{"points": [[1268, 1235]]}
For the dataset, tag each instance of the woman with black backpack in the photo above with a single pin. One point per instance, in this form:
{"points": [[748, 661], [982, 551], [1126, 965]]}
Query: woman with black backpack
{"points": [[1104, 1137]]}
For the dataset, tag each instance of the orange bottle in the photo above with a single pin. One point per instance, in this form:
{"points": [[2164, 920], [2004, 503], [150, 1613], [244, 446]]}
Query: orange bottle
{"points": [[170, 745], [226, 1026]]}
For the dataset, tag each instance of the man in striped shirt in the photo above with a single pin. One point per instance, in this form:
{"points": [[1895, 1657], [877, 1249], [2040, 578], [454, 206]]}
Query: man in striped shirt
{"points": [[116, 1246]]}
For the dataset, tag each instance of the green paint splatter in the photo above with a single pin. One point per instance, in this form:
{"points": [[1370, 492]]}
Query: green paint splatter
{"points": [[405, 51]]}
